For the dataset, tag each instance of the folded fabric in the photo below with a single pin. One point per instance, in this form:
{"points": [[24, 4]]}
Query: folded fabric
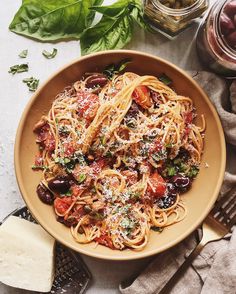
{"points": [[214, 270]]}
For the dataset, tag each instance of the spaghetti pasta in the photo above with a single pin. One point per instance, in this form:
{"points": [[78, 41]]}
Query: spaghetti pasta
{"points": [[116, 157]]}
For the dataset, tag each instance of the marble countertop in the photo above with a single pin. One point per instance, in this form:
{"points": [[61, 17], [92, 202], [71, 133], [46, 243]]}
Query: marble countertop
{"points": [[14, 96]]}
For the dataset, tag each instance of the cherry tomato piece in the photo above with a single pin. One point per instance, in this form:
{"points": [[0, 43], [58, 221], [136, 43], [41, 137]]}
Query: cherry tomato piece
{"points": [[141, 96], [157, 186]]}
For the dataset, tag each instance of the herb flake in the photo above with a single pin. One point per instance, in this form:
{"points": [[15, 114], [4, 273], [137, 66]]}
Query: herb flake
{"points": [[32, 83], [50, 55], [165, 79], [23, 54], [18, 68]]}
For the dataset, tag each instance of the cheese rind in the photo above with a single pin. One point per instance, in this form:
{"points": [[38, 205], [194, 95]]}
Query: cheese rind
{"points": [[26, 255]]}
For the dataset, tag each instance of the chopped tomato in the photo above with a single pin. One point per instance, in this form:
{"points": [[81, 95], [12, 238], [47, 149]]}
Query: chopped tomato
{"points": [[88, 104], [104, 239], [131, 176], [62, 204], [155, 147], [141, 96], [49, 142], [76, 190], [38, 160], [68, 149], [187, 131], [97, 166], [188, 116], [157, 186]]}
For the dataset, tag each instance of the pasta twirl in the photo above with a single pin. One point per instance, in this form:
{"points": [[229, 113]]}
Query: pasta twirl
{"points": [[116, 157]]}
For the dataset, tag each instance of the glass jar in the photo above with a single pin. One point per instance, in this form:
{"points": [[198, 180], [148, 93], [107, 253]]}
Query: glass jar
{"points": [[171, 21], [216, 39]]}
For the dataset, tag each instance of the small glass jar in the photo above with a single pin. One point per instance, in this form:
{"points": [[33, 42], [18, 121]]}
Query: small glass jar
{"points": [[171, 21], [216, 39]]}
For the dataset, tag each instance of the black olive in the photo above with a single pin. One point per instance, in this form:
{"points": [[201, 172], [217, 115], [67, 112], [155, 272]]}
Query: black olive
{"points": [[60, 184], [44, 194], [68, 223], [95, 80], [166, 201], [182, 183], [171, 190]]}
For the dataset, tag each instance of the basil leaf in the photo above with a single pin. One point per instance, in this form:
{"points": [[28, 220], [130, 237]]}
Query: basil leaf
{"points": [[114, 9], [50, 20], [109, 33], [18, 68], [32, 83], [23, 54], [138, 16], [156, 229], [50, 55], [165, 79]]}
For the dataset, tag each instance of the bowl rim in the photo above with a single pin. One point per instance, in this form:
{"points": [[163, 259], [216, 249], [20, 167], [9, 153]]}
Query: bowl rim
{"points": [[141, 254]]}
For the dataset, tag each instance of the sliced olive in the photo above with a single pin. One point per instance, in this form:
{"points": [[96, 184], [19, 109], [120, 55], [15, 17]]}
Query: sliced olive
{"points": [[60, 184], [44, 194], [96, 80], [182, 183]]}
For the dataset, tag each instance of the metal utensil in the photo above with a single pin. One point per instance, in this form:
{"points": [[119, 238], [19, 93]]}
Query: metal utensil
{"points": [[217, 224]]}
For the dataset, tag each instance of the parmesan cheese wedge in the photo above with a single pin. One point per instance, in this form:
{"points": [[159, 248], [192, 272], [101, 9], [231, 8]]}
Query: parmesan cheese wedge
{"points": [[26, 255]]}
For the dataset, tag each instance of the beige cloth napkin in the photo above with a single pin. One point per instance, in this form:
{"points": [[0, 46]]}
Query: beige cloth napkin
{"points": [[214, 270]]}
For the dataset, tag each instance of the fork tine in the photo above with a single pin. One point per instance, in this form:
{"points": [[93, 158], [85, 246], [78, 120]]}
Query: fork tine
{"points": [[232, 222], [224, 213], [223, 200], [232, 210]]}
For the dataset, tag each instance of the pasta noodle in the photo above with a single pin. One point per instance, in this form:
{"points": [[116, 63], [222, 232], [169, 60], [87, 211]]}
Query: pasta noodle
{"points": [[116, 157]]}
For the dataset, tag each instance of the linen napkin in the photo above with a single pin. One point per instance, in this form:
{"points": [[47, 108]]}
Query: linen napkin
{"points": [[214, 270]]}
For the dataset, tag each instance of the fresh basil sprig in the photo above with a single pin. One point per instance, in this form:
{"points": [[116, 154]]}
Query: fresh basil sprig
{"points": [[53, 20], [50, 20], [115, 28]]}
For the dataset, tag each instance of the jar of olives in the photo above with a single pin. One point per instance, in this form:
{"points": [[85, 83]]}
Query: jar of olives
{"points": [[216, 39], [170, 17]]}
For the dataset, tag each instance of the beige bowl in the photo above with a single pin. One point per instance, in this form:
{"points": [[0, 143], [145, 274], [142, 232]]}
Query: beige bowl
{"points": [[199, 199]]}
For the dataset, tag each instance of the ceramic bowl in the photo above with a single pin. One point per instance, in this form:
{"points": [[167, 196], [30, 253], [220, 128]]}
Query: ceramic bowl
{"points": [[199, 199]]}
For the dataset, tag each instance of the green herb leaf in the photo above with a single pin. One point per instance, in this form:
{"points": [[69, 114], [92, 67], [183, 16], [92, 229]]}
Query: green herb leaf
{"points": [[23, 54], [96, 215], [68, 193], [169, 145], [82, 178], [113, 69], [110, 33], [50, 55], [138, 16], [156, 229], [52, 20], [39, 167], [103, 140], [171, 171], [192, 173], [32, 83], [18, 68], [114, 9], [165, 79]]}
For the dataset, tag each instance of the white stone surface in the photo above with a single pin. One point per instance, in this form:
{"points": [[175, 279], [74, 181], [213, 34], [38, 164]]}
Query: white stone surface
{"points": [[14, 95]]}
